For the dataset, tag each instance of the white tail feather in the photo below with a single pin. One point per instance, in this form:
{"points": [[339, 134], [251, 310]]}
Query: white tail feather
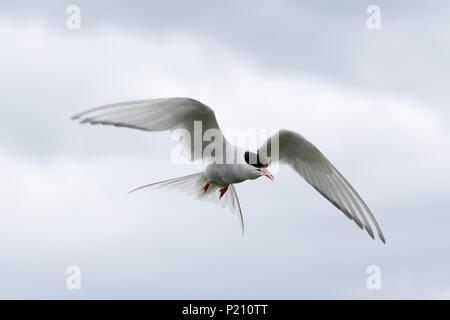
{"points": [[193, 185]]}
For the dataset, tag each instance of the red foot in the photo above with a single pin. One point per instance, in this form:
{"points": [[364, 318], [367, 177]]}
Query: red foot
{"points": [[205, 188], [222, 191]]}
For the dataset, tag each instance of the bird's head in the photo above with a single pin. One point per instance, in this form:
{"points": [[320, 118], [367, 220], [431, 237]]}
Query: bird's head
{"points": [[258, 164]]}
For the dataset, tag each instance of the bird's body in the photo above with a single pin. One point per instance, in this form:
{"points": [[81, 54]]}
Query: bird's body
{"points": [[226, 174], [216, 182]]}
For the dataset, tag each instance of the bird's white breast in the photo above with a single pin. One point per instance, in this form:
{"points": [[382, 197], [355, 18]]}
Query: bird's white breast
{"points": [[226, 174]]}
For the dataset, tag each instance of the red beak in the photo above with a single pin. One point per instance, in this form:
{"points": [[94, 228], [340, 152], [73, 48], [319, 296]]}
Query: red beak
{"points": [[266, 172]]}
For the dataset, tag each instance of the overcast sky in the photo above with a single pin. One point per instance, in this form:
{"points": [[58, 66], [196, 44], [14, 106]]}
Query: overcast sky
{"points": [[375, 102]]}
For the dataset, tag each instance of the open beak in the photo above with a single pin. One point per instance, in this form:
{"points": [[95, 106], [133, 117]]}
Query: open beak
{"points": [[266, 172]]}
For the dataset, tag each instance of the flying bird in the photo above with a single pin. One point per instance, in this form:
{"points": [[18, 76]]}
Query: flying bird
{"points": [[216, 182]]}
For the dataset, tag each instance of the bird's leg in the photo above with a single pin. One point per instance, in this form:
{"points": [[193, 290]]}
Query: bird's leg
{"points": [[205, 188], [222, 191]]}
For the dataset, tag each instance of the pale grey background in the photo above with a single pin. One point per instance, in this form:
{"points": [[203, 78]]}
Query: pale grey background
{"points": [[375, 102]]}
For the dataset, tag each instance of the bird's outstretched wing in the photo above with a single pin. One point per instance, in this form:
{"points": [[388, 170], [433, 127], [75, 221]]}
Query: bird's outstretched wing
{"points": [[161, 115], [300, 154]]}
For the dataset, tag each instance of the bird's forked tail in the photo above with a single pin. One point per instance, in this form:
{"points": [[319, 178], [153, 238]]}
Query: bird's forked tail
{"points": [[193, 185]]}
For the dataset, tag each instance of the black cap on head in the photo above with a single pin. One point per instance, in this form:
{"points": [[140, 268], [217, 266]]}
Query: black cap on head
{"points": [[254, 160]]}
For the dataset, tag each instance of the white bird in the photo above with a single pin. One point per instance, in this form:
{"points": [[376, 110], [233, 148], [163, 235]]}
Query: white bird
{"points": [[293, 150]]}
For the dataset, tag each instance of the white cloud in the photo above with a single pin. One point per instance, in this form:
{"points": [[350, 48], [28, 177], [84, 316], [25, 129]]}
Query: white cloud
{"points": [[71, 204]]}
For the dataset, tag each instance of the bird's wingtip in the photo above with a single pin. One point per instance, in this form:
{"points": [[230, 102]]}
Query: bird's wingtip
{"points": [[75, 117]]}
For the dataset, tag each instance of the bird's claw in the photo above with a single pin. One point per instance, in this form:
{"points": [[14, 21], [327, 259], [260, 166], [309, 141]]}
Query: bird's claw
{"points": [[222, 192]]}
